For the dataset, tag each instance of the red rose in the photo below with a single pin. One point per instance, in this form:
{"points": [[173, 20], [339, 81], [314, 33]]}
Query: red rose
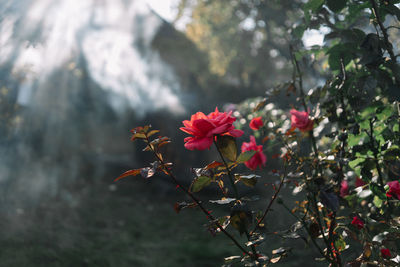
{"points": [[259, 158], [344, 189], [256, 123], [359, 182], [394, 189], [357, 222], [204, 128], [301, 120], [386, 253]]}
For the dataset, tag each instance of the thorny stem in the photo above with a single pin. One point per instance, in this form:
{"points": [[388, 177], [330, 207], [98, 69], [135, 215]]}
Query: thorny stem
{"points": [[303, 222], [384, 30], [386, 38], [270, 203], [253, 248], [315, 149], [228, 170], [198, 202]]}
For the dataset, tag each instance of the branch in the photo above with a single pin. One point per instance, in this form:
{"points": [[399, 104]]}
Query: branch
{"points": [[383, 29], [198, 202], [270, 203]]}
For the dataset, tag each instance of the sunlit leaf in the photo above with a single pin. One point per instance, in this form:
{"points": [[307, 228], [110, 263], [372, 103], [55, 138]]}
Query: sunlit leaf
{"points": [[232, 258], [276, 259], [377, 202], [147, 172], [227, 145], [258, 241], [138, 136], [152, 132], [213, 165], [128, 173], [356, 162], [249, 180], [223, 201], [200, 182]]}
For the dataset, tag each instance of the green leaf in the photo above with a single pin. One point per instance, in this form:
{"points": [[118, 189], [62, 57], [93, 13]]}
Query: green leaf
{"points": [[340, 244], [356, 162], [227, 145], [336, 5], [385, 113], [200, 182], [313, 5], [355, 139], [377, 202], [245, 156], [392, 153], [249, 180], [376, 189]]}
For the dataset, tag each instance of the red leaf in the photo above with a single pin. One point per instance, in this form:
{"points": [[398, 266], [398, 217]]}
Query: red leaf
{"points": [[128, 173], [213, 165]]}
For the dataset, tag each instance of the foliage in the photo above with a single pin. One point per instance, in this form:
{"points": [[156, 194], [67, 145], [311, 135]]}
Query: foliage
{"points": [[340, 155]]}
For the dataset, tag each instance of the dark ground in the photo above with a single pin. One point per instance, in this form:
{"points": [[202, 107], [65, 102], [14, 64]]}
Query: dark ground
{"points": [[128, 223]]}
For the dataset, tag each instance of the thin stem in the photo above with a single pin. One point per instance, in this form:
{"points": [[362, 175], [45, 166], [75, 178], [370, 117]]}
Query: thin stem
{"points": [[383, 29], [198, 202], [253, 248], [315, 149], [270, 203], [319, 222], [228, 171], [303, 222], [375, 152]]}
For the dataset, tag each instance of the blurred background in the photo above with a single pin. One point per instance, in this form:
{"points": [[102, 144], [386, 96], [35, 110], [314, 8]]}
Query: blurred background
{"points": [[77, 75]]}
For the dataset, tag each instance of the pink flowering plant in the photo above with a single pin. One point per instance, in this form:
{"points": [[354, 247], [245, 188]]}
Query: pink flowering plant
{"points": [[333, 153]]}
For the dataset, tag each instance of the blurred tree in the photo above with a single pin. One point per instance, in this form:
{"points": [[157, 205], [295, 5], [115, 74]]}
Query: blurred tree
{"points": [[244, 40]]}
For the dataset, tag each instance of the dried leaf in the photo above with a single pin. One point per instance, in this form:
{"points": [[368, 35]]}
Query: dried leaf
{"points": [[213, 165], [152, 132], [232, 258], [128, 173], [276, 259]]}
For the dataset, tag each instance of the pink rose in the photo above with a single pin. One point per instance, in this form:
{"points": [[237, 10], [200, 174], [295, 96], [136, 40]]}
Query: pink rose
{"points": [[204, 128], [394, 189], [386, 253], [256, 123], [344, 188], [357, 222], [259, 158], [301, 120]]}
